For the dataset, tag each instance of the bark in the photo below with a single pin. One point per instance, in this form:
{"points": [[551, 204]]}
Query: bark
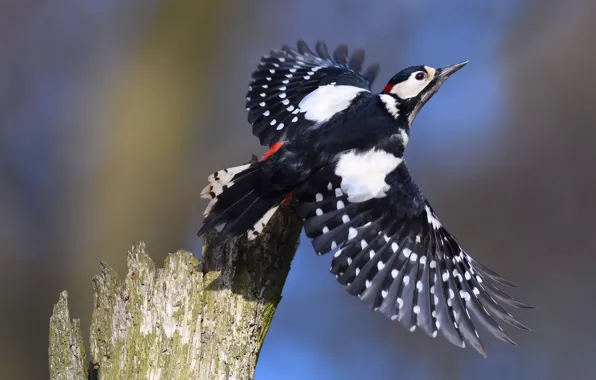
{"points": [[191, 319]]}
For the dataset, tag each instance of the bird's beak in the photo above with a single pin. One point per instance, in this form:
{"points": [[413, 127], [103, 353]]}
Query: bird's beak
{"points": [[440, 76], [446, 72]]}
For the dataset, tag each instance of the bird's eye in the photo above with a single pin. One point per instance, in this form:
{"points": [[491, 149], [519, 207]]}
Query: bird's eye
{"points": [[420, 76]]}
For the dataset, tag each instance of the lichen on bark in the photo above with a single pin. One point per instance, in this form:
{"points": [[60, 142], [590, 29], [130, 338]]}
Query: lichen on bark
{"points": [[66, 351], [191, 319]]}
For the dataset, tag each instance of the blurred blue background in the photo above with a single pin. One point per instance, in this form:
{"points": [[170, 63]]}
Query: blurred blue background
{"points": [[112, 114]]}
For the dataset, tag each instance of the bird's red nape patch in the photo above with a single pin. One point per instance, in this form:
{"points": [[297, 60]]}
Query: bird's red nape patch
{"points": [[387, 88], [274, 148]]}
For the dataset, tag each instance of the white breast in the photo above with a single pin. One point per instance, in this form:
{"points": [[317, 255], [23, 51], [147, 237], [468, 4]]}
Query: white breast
{"points": [[363, 174], [324, 102]]}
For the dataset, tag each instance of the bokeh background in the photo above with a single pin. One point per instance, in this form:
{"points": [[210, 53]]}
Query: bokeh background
{"points": [[112, 114]]}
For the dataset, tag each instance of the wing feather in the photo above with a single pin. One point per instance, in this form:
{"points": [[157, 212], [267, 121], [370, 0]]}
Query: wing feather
{"points": [[284, 77], [394, 254]]}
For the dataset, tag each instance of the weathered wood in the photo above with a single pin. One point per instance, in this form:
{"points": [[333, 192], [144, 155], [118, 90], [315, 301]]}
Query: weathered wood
{"points": [[192, 319], [66, 352]]}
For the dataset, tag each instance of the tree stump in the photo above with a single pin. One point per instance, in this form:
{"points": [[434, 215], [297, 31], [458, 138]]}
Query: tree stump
{"points": [[192, 319]]}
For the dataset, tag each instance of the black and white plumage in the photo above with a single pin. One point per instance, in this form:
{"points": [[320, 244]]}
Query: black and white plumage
{"points": [[337, 150], [395, 255], [286, 77]]}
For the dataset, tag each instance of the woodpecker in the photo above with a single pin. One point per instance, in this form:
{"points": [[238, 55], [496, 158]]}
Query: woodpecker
{"points": [[337, 150]]}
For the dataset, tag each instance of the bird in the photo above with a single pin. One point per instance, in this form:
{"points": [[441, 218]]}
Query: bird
{"points": [[336, 151]]}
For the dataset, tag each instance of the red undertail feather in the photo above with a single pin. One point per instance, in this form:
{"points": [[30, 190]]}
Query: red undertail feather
{"points": [[274, 148]]}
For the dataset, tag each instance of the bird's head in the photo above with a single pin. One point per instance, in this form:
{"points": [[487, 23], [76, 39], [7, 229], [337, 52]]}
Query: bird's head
{"points": [[414, 86]]}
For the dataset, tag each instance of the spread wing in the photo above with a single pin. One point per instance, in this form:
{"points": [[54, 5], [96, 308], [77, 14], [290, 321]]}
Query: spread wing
{"points": [[394, 254], [283, 79]]}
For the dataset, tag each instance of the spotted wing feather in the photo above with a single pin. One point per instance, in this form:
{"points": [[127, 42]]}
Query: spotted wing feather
{"points": [[394, 254], [284, 77]]}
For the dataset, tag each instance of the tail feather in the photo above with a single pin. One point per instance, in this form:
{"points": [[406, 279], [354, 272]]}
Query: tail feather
{"points": [[222, 179], [259, 226], [222, 215], [236, 206], [247, 217], [226, 175]]}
